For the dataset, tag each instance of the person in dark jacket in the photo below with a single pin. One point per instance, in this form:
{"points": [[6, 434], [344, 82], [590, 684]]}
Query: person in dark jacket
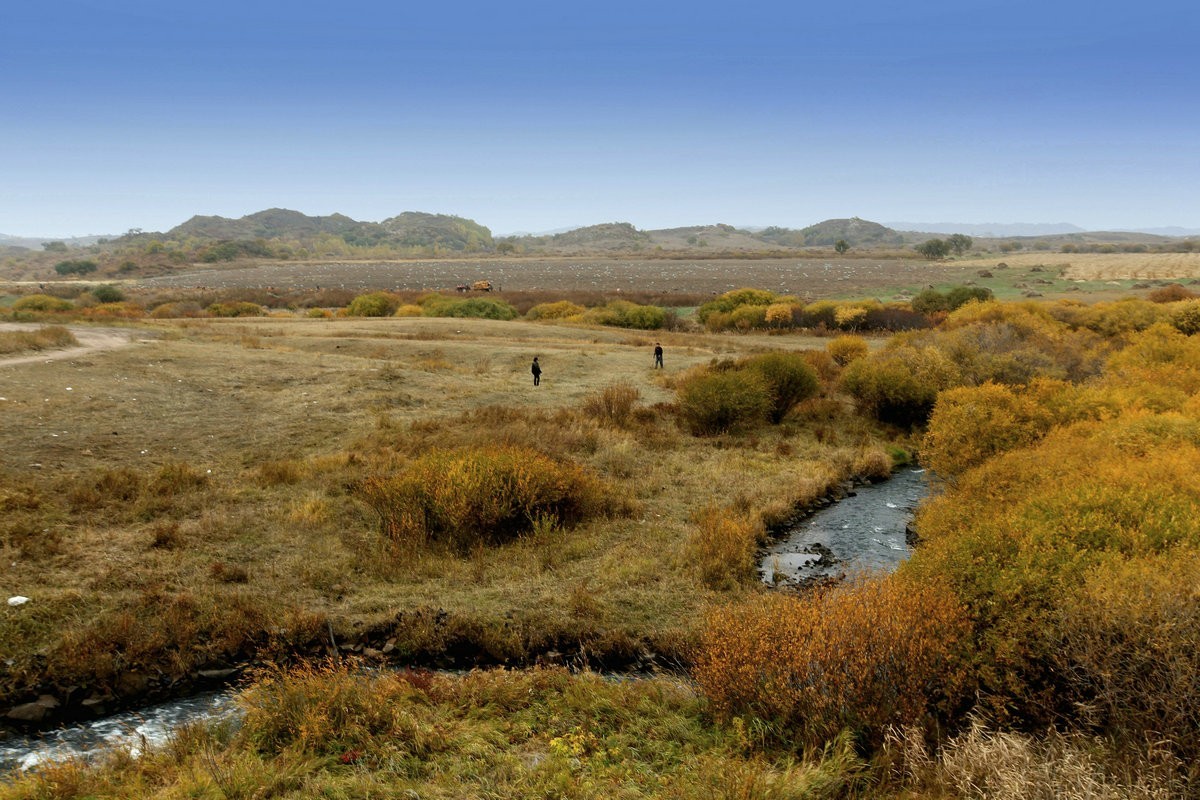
{"points": [[536, 369], [658, 356]]}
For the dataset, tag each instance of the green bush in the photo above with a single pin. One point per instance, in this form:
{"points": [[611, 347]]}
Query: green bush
{"points": [[437, 305], [790, 379], [373, 304], [75, 267], [42, 302], [237, 309], [482, 495], [108, 294], [624, 314], [718, 402]]}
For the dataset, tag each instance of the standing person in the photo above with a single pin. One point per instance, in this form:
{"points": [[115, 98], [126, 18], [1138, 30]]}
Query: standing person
{"points": [[536, 369], [658, 356]]}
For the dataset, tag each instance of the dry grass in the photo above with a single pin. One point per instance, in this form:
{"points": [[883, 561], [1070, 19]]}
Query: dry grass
{"points": [[45, 338], [1104, 266], [195, 464]]}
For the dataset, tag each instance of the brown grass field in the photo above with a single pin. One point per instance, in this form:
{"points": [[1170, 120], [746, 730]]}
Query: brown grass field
{"points": [[199, 480]]}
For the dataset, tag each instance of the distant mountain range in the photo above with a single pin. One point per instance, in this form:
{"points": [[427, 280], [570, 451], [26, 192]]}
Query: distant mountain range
{"points": [[280, 233]]}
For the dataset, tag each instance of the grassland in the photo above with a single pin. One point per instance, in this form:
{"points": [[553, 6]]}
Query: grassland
{"points": [[186, 502]]}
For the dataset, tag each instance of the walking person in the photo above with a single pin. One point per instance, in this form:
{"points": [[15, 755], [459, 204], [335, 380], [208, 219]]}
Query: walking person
{"points": [[536, 369], [658, 356]]}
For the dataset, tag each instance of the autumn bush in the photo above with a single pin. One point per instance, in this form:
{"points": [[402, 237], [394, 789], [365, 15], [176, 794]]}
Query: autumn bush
{"points": [[483, 495], [1023, 531], [865, 655], [560, 309], [1186, 317], [722, 547], [789, 377], [899, 385], [845, 349], [624, 314], [373, 304], [41, 302], [1129, 647], [711, 403]]}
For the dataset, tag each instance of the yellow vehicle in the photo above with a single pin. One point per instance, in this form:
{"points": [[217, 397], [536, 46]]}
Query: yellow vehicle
{"points": [[482, 286]]}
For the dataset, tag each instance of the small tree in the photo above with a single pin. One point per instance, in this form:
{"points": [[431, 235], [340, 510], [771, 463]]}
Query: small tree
{"points": [[934, 249], [841, 246], [960, 243]]}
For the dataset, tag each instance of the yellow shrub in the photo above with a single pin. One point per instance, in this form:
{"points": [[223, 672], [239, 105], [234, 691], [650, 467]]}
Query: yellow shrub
{"points": [[722, 547], [479, 495], [1130, 650], [845, 349]]}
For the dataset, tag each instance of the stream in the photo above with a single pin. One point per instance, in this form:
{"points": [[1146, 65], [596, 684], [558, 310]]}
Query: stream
{"points": [[865, 531]]}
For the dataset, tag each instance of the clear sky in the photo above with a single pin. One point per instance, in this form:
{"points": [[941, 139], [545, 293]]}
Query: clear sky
{"points": [[530, 116]]}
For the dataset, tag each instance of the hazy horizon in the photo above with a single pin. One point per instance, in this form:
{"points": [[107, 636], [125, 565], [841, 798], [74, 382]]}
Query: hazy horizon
{"points": [[531, 116]]}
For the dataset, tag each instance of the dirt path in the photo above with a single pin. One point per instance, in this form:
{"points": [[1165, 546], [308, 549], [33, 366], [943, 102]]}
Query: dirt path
{"points": [[91, 340]]}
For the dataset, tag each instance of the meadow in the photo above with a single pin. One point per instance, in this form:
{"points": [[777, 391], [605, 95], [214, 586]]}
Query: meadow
{"points": [[279, 493]]}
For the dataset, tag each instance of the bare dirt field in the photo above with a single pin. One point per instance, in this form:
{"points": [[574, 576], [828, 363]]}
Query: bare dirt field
{"points": [[815, 278]]}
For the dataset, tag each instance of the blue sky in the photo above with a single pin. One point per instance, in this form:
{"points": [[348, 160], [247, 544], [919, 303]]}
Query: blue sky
{"points": [[532, 116]]}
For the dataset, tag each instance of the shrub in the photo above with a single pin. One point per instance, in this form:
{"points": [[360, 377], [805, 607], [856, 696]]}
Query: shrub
{"points": [[971, 424], [176, 310], [558, 310], [237, 309], [75, 267], [729, 301], [789, 378], [849, 317], [613, 404], [1022, 532], [1171, 293], [108, 294], [482, 495], [845, 349], [373, 304], [1186, 318], [718, 402], [624, 314], [722, 548], [409, 310], [42, 302], [1129, 647], [746, 318], [900, 384], [473, 307], [863, 656]]}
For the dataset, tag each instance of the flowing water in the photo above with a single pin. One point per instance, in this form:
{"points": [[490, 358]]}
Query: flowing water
{"points": [[865, 532], [136, 730], [862, 532]]}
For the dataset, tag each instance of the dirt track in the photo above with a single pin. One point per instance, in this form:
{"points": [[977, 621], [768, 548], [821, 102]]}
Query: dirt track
{"points": [[91, 340]]}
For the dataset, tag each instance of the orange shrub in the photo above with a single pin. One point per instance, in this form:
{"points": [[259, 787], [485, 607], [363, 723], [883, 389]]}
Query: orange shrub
{"points": [[863, 656]]}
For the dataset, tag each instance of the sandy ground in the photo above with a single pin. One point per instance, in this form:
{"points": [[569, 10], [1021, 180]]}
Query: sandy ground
{"points": [[91, 340]]}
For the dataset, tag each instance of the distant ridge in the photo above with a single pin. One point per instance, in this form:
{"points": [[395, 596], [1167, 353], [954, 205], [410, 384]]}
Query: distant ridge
{"points": [[415, 229]]}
